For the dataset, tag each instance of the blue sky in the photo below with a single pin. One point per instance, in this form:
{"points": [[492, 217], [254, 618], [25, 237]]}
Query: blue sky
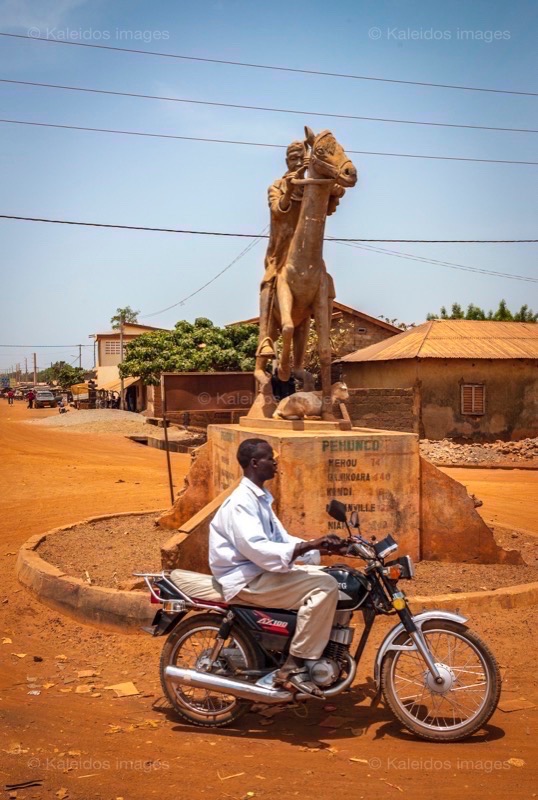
{"points": [[62, 283]]}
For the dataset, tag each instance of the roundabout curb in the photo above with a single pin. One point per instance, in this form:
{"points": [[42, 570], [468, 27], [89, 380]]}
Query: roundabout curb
{"points": [[115, 609], [126, 611]]}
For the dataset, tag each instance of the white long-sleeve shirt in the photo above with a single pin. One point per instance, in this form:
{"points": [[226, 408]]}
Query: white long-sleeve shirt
{"points": [[246, 538]]}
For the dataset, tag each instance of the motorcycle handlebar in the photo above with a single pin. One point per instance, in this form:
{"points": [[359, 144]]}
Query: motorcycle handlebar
{"points": [[357, 549]]}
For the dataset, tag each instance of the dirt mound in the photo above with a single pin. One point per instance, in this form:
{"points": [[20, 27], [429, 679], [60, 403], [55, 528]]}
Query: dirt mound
{"points": [[107, 552], [499, 453], [111, 420]]}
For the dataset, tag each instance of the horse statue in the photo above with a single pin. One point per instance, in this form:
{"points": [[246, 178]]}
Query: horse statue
{"points": [[304, 290]]}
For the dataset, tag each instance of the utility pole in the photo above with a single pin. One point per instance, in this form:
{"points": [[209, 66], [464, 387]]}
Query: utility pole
{"points": [[26, 369], [122, 400], [93, 336], [35, 369], [80, 356]]}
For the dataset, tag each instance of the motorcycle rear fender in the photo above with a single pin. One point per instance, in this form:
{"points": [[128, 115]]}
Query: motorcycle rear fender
{"points": [[163, 623], [388, 642]]}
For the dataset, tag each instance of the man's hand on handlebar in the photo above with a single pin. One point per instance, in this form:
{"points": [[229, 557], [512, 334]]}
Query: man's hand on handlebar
{"points": [[327, 545], [332, 545]]}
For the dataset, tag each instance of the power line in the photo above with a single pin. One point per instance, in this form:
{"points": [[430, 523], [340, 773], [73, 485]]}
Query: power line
{"points": [[262, 108], [48, 346], [350, 244], [271, 66], [435, 261], [257, 235], [251, 144], [214, 278]]}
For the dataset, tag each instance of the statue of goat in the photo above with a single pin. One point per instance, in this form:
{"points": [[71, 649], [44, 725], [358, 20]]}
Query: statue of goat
{"points": [[309, 404]]}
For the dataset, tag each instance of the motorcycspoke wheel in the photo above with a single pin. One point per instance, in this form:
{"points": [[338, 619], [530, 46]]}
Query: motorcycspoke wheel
{"points": [[189, 646], [465, 700]]}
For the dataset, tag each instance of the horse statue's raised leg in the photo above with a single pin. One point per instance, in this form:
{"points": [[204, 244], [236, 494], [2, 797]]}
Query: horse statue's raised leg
{"points": [[322, 316]]}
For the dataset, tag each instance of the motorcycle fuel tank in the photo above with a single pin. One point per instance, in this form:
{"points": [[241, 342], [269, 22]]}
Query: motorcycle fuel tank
{"points": [[354, 586]]}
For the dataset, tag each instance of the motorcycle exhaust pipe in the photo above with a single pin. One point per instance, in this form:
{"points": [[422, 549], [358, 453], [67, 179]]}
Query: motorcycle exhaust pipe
{"points": [[218, 683]]}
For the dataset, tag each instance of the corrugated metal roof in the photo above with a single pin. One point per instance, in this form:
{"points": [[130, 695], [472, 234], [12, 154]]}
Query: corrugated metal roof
{"points": [[456, 338]]}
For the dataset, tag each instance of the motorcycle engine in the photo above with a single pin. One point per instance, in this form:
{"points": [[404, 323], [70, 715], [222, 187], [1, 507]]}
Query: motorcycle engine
{"points": [[324, 671]]}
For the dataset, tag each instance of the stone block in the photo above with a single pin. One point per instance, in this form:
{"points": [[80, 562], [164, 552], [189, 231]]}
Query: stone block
{"points": [[195, 494], [452, 530], [372, 471]]}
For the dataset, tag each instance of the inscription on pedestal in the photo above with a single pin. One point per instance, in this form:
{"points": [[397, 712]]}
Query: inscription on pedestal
{"points": [[358, 482], [376, 475]]}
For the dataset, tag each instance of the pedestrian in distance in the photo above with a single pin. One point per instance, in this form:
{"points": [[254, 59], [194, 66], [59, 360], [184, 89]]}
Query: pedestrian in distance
{"points": [[30, 396], [10, 397]]}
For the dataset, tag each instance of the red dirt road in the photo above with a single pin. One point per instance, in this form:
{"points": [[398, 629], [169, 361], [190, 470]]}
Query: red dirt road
{"points": [[89, 746]]}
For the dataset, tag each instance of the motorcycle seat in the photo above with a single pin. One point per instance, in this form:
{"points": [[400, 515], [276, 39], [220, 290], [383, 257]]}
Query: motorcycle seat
{"points": [[198, 586]]}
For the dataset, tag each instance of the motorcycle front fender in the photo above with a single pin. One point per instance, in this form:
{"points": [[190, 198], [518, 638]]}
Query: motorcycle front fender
{"points": [[388, 642]]}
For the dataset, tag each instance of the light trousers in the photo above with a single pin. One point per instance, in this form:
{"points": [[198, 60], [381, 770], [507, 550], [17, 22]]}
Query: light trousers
{"points": [[307, 590]]}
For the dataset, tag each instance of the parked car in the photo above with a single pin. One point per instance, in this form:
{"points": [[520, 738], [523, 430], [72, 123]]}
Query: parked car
{"points": [[44, 398]]}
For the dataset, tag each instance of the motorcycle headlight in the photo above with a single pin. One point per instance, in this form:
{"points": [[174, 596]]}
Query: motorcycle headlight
{"points": [[385, 547]]}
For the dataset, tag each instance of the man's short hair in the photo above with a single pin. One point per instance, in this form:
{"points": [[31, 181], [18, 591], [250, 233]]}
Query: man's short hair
{"points": [[247, 450]]}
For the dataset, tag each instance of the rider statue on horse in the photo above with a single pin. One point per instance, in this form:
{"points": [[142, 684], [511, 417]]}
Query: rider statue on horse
{"points": [[296, 285]]}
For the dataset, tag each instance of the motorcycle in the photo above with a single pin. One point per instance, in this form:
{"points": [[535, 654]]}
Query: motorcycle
{"points": [[439, 679]]}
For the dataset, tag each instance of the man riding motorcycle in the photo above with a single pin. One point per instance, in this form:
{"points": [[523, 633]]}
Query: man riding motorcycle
{"points": [[253, 558]]}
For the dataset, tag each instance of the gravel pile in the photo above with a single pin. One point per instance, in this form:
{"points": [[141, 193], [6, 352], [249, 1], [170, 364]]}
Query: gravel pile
{"points": [[111, 420], [74, 418], [446, 451]]}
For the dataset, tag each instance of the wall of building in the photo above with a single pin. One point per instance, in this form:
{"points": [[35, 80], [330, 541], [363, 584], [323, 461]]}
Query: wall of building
{"points": [[511, 401], [511, 386], [363, 332], [111, 359], [385, 409], [192, 420], [107, 375], [401, 374]]}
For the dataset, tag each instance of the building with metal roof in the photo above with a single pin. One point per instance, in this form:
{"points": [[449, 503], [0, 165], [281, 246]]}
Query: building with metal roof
{"points": [[475, 380], [361, 329]]}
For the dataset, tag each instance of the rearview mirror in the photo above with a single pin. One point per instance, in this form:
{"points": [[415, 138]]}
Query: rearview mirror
{"points": [[354, 519], [337, 510]]}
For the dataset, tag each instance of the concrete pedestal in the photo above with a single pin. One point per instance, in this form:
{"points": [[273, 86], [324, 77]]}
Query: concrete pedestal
{"points": [[373, 472], [378, 473]]}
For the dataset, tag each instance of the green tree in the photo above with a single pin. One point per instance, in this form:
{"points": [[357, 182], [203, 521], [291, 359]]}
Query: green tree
{"points": [[191, 347], [127, 314], [62, 374], [525, 314], [502, 314], [341, 341], [474, 312]]}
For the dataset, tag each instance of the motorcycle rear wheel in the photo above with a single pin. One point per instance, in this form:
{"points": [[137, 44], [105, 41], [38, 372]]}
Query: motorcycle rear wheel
{"points": [[470, 670], [189, 646]]}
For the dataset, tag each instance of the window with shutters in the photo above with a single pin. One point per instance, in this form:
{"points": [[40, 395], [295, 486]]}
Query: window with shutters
{"points": [[473, 398], [112, 348]]}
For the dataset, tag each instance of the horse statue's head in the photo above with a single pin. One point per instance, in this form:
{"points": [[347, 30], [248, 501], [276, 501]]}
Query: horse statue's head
{"points": [[328, 159]]}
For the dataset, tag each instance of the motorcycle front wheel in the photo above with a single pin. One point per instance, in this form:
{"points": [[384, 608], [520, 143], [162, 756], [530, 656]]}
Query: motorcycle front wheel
{"points": [[189, 646], [466, 699]]}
